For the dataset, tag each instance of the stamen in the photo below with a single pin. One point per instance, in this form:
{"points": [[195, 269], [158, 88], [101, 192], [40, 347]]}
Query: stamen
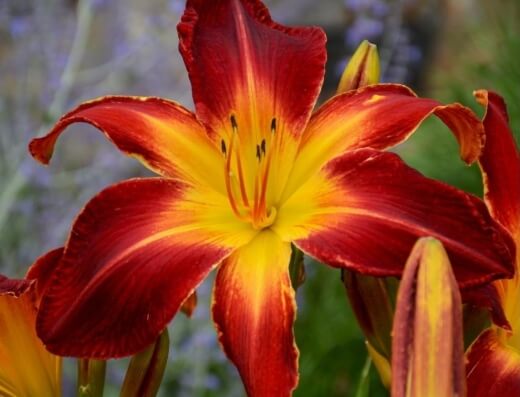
{"points": [[254, 212], [233, 123], [263, 192], [227, 176], [242, 184], [262, 145], [223, 147], [258, 155], [273, 125], [243, 191]]}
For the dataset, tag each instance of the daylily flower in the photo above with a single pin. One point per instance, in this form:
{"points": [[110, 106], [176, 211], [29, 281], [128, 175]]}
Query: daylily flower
{"points": [[27, 369], [240, 179], [493, 367], [427, 343]]}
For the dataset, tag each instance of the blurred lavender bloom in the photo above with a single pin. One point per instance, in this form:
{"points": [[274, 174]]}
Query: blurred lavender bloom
{"points": [[355, 5], [176, 6], [364, 28], [212, 382], [379, 9], [19, 26]]}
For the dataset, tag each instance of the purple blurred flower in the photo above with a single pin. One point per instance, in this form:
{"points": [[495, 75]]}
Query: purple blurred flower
{"points": [[19, 26], [364, 28]]}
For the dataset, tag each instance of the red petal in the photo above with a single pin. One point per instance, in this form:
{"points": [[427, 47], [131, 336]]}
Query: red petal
{"points": [[378, 117], [254, 310], [370, 208], [487, 297], [133, 256], [493, 368], [43, 269], [14, 287], [241, 62], [163, 135], [500, 163]]}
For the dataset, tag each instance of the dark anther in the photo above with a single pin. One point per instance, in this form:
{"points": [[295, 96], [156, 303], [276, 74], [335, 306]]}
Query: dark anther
{"points": [[223, 147], [273, 125], [233, 122], [258, 156], [262, 146]]}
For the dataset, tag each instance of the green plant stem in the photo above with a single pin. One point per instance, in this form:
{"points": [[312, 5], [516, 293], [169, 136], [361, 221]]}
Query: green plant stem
{"points": [[91, 378], [146, 369]]}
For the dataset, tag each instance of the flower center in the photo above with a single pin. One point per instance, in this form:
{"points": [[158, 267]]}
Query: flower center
{"points": [[255, 210]]}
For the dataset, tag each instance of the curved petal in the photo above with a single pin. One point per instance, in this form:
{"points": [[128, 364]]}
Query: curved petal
{"points": [[43, 269], [253, 76], [377, 117], [26, 368], [500, 166], [163, 135], [135, 253], [500, 163], [493, 368], [487, 297], [254, 311], [240, 61], [365, 210]]}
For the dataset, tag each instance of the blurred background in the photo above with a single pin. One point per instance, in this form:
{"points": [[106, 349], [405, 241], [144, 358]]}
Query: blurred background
{"points": [[55, 54]]}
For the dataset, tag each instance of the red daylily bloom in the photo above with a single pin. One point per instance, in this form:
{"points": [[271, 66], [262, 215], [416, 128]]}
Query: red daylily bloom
{"points": [[27, 369], [493, 367], [241, 178]]}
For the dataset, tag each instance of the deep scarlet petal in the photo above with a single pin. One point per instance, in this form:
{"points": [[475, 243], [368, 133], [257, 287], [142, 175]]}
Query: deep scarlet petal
{"points": [[163, 135], [254, 78], [254, 310], [377, 117], [493, 368], [366, 209], [487, 297], [241, 62], [135, 253], [14, 287], [43, 268], [500, 162]]}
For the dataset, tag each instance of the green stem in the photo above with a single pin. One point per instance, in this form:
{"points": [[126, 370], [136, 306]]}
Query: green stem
{"points": [[146, 369], [296, 268], [91, 377]]}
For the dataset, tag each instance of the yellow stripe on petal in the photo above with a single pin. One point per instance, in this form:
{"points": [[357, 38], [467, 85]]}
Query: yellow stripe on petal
{"points": [[208, 213], [378, 117], [254, 309], [27, 369], [163, 135]]}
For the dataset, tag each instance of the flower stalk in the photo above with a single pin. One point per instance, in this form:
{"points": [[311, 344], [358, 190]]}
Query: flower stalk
{"points": [[146, 369], [91, 378]]}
